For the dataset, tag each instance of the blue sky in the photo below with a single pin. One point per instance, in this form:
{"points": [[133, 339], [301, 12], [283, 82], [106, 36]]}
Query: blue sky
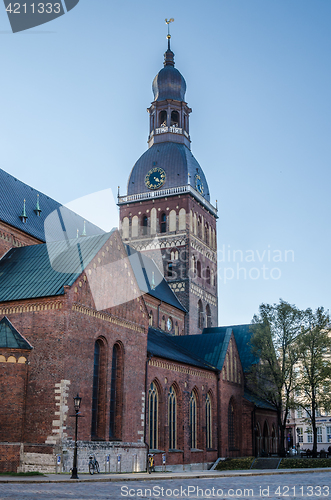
{"points": [[73, 121]]}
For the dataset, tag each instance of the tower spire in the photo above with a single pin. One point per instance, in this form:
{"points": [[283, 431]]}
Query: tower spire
{"points": [[168, 21], [169, 55]]}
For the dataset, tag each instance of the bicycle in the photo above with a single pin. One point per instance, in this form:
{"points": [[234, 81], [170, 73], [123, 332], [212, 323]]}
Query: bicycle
{"points": [[93, 465]]}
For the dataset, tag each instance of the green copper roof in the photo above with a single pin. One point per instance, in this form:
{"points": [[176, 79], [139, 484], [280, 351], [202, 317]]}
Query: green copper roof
{"points": [[10, 338], [242, 335], [28, 272], [209, 348], [166, 346]]}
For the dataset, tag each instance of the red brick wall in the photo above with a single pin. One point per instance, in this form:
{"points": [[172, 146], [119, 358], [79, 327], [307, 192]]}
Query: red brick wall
{"points": [[63, 337], [12, 237], [185, 379], [9, 457], [13, 378]]}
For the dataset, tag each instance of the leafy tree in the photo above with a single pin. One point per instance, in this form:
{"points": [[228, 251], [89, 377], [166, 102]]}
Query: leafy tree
{"points": [[314, 348], [275, 331]]}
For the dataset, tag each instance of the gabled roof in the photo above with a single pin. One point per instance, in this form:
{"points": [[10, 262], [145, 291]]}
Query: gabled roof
{"points": [[43, 270], [209, 348], [150, 280], [165, 346], [242, 335], [13, 193], [10, 338], [27, 272]]}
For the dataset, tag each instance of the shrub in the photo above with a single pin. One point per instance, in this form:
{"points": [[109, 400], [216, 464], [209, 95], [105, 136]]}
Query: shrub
{"points": [[304, 463], [235, 463]]}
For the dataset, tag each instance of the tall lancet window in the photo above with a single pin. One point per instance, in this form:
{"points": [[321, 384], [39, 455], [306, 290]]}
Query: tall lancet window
{"points": [[153, 402]]}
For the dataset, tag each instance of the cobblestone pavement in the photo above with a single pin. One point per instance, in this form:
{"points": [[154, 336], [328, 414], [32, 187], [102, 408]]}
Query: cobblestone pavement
{"points": [[283, 486]]}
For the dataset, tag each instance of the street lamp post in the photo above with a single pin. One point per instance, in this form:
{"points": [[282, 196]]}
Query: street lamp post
{"points": [[77, 401]]}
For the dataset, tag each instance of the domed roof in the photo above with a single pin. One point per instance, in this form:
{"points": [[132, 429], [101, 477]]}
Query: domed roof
{"points": [[179, 164], [169, 83]]}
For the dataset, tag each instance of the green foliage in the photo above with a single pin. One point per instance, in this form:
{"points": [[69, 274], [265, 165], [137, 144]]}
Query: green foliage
{"points": [[275, 331], [235, 463], [304, 463]]}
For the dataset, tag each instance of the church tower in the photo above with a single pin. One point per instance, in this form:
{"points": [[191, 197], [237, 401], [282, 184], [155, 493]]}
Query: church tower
{"points": [[167, 208]]}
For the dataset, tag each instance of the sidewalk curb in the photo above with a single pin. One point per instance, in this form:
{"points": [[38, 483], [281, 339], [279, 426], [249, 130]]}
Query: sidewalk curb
{"points": [[155, 477]]}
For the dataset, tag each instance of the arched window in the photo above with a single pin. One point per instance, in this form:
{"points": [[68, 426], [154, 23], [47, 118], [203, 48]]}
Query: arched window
{"points": [[153, 402], [125, 228], [144, 224], [99, 391], [200, 315], [134, 226], [199, 228], [176, 328], [172, 220], [163, 118], [150, 316], [208, 275], [199, 269], [231, 418], [209, 422], [182, 219], [163, 223], [193, 265], [172, 418], [175, 118], [174, 254], [208, 315], [169, 270], [205, 233], [193, 420], [95, 388], [212, 278], [116, 396]]}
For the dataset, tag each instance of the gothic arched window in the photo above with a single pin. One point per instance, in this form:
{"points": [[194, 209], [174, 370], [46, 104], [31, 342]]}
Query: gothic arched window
{"points": [[200, 315], [193, 420], [116, 396], [175, 118], [172, 418], [163, 223], [144, 224], [208, 275], [199, 269], [208, 315], [231, 419], [209, 422], [153, 402], [99, 390], [163, 118]]}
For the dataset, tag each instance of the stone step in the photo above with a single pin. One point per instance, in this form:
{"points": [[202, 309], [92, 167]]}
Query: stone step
{"points": [[265, 463]]}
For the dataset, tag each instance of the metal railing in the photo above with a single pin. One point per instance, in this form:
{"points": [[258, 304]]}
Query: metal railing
{"points": [[168, 192]]}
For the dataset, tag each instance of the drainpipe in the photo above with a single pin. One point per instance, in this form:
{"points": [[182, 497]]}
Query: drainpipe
{"points": [[218, 405], [146, 407]]}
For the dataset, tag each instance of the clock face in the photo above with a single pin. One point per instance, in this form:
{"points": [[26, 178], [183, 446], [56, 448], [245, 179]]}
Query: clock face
{"points": [[169, 324], [155, 178], [198, 184]]}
